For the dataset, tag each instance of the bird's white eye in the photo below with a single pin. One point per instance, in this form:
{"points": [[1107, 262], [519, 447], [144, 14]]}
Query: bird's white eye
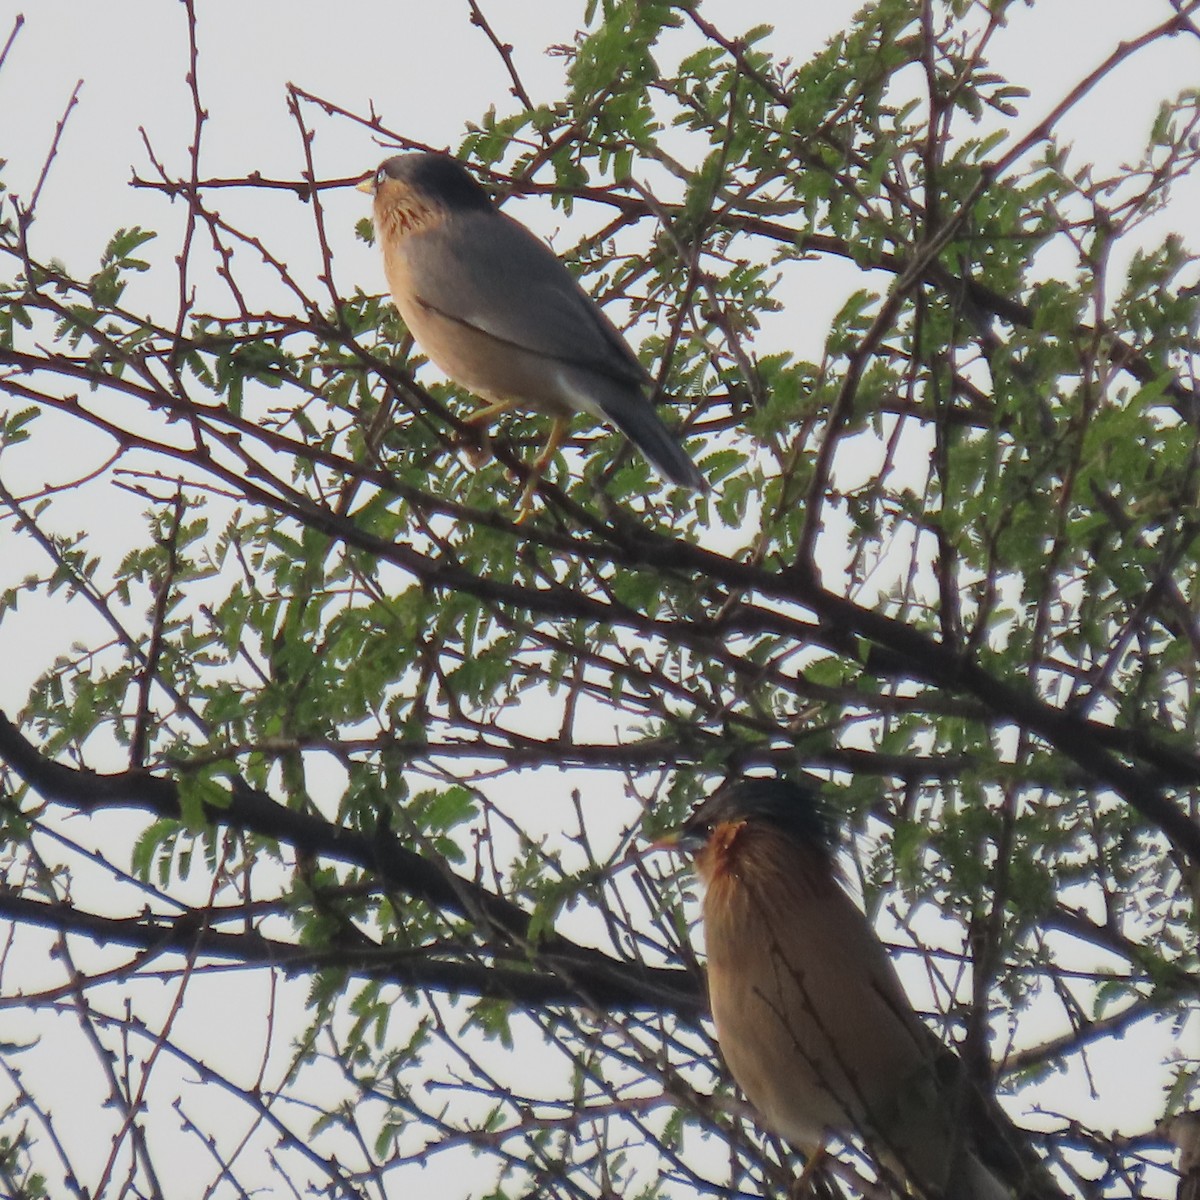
{"points": [[380, 176]]}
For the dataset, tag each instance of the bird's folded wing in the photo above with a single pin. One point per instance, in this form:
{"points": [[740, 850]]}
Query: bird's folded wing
{"points": [[1000, 1147], [486, 271]]}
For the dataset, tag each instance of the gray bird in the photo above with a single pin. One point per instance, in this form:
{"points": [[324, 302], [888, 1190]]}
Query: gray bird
{"points": [[497, 311]]}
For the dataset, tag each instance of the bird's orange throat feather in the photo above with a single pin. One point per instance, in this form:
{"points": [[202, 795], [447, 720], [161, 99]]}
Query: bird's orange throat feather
{"points": [[720, 855], [396, 216], [743, 858]]}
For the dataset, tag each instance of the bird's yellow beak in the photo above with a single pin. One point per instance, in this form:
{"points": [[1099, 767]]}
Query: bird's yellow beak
{"points": [[367, 185], [669, 841]]}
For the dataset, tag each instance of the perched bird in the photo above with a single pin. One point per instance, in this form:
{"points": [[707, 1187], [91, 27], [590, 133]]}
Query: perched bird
{"points": [[494, 308], [810, 1013]]}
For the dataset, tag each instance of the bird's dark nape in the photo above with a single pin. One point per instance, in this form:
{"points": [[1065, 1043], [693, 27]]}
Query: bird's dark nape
{"points": [[440, 177], [791, 807]]}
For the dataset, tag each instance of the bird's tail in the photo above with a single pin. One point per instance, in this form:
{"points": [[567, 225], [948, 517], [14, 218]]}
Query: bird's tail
{"points": [[979, 1183], [661, 448], [975, 1180], [964, 1177], [627, 407]]}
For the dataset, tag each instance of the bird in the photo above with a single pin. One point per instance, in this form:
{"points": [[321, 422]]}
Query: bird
{"points": [[493, 306], [810, 1014]]}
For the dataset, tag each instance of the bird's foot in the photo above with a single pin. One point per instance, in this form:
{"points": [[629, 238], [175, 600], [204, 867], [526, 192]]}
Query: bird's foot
{"points": [[811, 1184], [489, 412], [525, 505]]}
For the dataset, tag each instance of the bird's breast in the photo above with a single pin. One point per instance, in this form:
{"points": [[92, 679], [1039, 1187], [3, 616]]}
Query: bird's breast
{"points": [[764, 1029], [809, 1015]]}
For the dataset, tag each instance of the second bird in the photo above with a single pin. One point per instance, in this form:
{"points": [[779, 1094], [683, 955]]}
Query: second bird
{"points": [[811, 1015], [495, 309]]}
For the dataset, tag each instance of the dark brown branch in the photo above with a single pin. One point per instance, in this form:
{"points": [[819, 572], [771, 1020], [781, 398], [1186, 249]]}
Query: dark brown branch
{"points": [[191, 937], [986, 300], [504, 49], [578, 970], [1098, 749], [18, 21]]}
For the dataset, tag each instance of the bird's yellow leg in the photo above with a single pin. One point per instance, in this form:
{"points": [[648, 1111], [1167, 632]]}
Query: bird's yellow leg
{"points": [[803, 1185], [481, 416], [558, 434]]}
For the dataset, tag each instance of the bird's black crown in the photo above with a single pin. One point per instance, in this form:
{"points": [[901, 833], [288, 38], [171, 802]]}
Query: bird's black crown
{"points": [[791, 807], [437, 176]]}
